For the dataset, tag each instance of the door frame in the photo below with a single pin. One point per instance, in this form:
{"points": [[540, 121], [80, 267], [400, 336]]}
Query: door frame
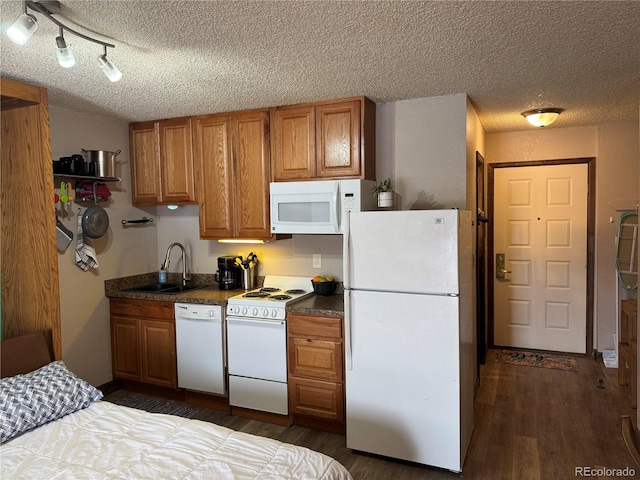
{"points": [[481, 264], [591, 224]]}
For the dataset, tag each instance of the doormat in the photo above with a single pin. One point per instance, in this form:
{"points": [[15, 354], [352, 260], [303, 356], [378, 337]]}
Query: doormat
{"points": [[155, 405], [534, 359]]}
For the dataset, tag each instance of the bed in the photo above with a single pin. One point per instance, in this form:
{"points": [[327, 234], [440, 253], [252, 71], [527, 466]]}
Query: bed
{"points": [[54, 425]]}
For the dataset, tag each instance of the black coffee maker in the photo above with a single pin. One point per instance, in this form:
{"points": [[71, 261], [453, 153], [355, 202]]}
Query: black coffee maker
{"points": [[229, 274]]}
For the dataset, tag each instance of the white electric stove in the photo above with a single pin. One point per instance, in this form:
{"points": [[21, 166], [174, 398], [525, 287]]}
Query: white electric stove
{"points": [[257, 344], [270, 301]]}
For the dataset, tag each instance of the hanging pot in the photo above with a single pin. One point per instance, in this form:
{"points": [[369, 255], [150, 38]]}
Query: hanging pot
{"points": [[95, 222], [102, 162]]}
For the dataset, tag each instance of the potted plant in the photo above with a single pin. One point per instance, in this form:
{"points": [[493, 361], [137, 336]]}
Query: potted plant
{"points": [[384, 191]]}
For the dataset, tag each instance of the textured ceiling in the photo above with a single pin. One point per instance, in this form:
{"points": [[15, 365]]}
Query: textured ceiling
{"points": [[195, 57]]}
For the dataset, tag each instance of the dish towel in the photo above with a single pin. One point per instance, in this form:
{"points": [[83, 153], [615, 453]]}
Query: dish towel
{"points": [[85, 254]]}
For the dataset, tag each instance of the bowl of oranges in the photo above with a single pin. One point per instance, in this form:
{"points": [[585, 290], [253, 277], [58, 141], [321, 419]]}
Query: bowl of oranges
{"points": [[323, 285]]}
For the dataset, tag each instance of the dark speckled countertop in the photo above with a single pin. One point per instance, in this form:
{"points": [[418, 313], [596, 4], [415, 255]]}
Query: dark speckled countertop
{"points": [[210, 294], [329, 305]]}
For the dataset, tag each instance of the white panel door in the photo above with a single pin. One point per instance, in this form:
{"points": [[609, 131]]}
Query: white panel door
{"points": [[541, 229]]}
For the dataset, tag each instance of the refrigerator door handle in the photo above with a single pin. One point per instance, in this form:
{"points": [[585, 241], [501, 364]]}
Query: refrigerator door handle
{"points": [[347, 329], [346, 261], [336, 205]]}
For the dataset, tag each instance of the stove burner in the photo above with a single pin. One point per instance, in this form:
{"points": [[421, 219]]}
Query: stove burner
{"points": [[269, 289], [295, 291], [280, 297], [256, 295]]}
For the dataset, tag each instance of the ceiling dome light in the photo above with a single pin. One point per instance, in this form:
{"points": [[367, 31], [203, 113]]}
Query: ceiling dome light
{"points": [[542, 117], [22, 28]]}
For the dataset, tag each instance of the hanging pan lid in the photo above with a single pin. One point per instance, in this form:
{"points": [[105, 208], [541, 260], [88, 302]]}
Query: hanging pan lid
{"points": [[95, 222]]}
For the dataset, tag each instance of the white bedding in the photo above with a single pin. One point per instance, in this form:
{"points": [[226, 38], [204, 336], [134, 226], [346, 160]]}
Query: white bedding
{"points": [[109, 441]]}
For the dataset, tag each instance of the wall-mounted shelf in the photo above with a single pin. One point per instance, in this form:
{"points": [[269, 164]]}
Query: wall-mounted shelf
{"points": [[87, 178], [84, 179]]}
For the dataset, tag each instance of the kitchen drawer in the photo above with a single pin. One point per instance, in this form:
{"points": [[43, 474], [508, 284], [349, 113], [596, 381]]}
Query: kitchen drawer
{"points": [[141, 308], [316, 398], [314, 326], [315, 358]]}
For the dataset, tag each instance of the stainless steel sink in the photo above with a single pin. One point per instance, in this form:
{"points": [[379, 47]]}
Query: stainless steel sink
{"points": [[164, 288]]}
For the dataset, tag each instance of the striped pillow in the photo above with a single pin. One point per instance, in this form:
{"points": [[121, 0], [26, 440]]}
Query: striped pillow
{"points": [[33, 399]]}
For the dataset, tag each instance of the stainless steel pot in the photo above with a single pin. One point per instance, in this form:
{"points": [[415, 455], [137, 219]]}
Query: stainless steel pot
{"points": [[104, 162]]}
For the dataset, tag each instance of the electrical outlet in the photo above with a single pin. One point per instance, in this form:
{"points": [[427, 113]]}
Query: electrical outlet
{"points": [[317, 260]]}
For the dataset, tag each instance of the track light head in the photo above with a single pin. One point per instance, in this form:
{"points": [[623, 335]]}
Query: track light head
{"points": [[64, 53], [108, 67], [22, 28]]}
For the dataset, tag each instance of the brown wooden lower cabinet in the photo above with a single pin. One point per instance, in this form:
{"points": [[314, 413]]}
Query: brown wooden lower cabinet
{"points": [[316, 371], [317, 398], [143, 342]]}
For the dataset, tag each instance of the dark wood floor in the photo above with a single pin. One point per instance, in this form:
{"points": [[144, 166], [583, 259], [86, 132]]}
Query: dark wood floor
{"points": [[530, 423]]}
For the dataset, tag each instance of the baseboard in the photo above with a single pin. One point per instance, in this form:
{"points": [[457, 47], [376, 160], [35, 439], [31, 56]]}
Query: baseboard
{"points": [[284, 420], [109, 387], [214, 402], [630, 439], [319, 424]]}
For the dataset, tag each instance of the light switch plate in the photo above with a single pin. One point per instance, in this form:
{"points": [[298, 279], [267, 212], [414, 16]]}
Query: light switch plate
{"points": [[317, 260]]}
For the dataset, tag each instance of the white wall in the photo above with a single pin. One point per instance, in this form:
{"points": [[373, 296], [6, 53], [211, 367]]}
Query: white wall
{"points": [[617, 188], [421, 145], [475, 138], [615, 147], [86, 340]]}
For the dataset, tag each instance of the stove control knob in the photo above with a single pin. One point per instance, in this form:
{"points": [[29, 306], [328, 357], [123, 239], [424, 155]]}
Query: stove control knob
{"points": [[265, 312], [255, 312], [211, 313], [244, 310], [274, 313]]}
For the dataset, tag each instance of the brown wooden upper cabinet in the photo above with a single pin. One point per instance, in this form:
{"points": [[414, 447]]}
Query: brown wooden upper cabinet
{"points": [[162, 162], [324, 140], [233, 165]]}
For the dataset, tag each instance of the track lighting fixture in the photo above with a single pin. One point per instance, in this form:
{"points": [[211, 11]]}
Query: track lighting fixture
{"points": [[26, 24], [541, 117]]}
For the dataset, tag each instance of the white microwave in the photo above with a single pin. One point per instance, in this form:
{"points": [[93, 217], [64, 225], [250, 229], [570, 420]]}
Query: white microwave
{"points": [[318, 206]]}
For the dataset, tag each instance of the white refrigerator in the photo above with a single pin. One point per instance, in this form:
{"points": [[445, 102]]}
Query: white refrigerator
{"points": [[409, 334]]}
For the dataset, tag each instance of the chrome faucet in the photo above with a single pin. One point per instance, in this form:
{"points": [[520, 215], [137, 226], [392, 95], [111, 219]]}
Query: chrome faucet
{"points": [[165, 264]]}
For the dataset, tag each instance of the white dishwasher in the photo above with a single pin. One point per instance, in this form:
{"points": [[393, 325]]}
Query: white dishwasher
{"points": [[200, 342]]}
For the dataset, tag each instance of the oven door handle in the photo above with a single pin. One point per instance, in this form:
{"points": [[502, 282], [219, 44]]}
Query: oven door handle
{"points": [[255, 320]]}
